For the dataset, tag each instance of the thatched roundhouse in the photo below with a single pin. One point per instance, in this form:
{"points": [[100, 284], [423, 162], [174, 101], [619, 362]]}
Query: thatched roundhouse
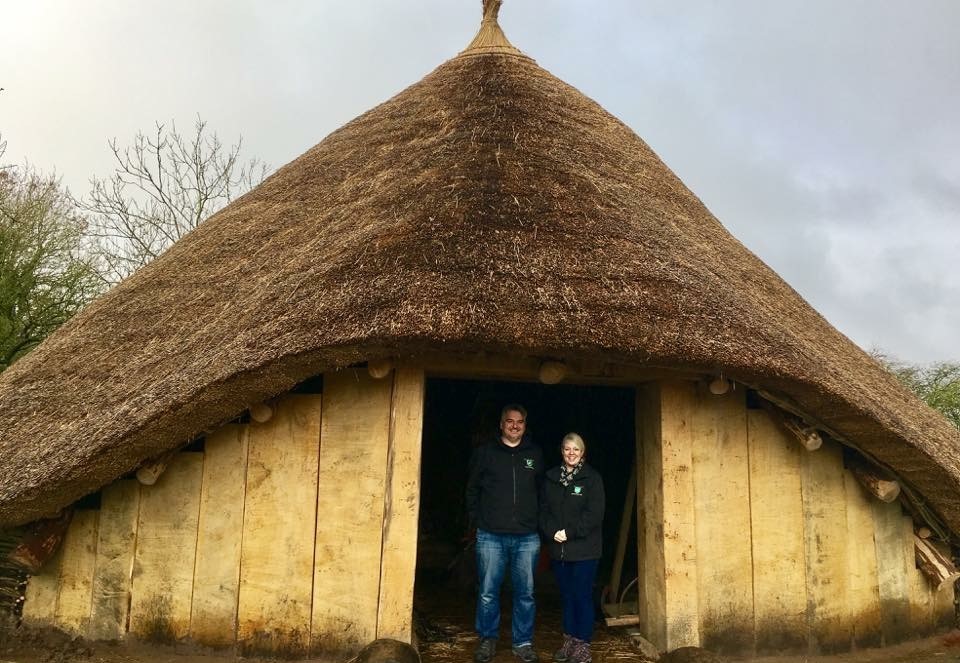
{"points": [[487, 223]]}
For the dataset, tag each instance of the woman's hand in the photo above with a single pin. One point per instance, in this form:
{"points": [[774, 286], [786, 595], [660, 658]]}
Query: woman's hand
{"points": [[560, 536]]}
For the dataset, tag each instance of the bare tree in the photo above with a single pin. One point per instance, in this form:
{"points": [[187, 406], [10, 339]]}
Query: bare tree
{"points": [[163, 186], [46, 274]]}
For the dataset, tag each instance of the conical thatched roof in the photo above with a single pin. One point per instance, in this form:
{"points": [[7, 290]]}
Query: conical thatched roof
{"points": [[488, 206]]}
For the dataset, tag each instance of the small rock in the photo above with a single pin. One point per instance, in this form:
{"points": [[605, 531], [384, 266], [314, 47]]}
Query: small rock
{"points": [[645, 648]]}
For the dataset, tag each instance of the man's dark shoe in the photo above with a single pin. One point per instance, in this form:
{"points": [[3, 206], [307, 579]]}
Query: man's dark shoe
{"points": [[485, 650], [526, 654]]}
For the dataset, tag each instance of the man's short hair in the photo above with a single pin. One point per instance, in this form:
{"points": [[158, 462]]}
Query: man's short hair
{"points": [[512, 407]]}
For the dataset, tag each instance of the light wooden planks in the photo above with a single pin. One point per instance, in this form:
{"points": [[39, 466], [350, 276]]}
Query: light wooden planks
{"points": [[677, 404], [353, 468], [863, 587], [649, 471], [76, 572], [779, 553], [116, 541], [40, 598], [921, 591], [825, 534], [721, 480], [216, 578], [944, 611], [891, 564], [402, 504], [162, 583], [276, 565]]}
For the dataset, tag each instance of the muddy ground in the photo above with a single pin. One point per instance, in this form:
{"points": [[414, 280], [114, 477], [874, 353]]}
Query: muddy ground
{"points": [[610, 646], [446, 636]]}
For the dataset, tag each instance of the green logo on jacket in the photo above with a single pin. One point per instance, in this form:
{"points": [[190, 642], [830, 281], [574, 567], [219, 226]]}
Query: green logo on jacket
{"points": [[529, 463], [578, 490]]}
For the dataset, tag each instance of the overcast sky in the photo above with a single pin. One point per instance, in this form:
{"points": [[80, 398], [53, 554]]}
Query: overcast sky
{"points": [[825, 135]]}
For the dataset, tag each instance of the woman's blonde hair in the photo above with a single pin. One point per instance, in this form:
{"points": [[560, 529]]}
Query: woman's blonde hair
{"points": [[576, 439]]}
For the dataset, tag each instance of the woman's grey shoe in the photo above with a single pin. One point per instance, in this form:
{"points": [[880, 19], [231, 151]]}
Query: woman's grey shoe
{"points": [[485, 650], [580, 653], [563, 654], [526, 654]]}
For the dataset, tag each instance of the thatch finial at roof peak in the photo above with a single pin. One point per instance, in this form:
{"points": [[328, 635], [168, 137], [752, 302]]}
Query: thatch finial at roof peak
{"points": [[490, 38]]}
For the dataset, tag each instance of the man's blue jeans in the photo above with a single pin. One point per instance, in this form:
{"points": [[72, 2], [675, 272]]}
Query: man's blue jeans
{"points": [[495, 554]]}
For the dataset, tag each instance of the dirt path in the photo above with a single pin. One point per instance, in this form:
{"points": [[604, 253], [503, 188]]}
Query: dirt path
{"points": [[608, 648]]}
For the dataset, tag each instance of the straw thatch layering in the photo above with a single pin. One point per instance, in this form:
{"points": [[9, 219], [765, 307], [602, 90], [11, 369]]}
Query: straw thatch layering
{"points": [[489, 207]]}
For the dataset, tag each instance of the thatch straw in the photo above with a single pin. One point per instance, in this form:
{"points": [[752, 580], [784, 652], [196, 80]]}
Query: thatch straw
{"points": [[490, 38], [489, 206]]}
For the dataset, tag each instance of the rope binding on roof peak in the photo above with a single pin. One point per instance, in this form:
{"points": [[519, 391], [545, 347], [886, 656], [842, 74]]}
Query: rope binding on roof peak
{"points": [[490, 38]]}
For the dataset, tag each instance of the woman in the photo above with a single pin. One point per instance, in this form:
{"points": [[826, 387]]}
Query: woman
{"points": [[571, 515]]}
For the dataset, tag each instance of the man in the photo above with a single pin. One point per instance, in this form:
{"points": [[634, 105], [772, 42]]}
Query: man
{"points": [[501, 500]]}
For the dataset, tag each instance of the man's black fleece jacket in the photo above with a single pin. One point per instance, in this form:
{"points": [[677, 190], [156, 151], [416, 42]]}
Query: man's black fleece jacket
{"points": [[503, 487]]}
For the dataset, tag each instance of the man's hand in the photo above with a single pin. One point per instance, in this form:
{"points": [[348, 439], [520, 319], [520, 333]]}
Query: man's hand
{"points": [[560, 536]]}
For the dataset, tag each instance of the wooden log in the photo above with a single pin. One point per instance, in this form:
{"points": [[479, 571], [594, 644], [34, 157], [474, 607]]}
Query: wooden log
{"points": [[40, 542], [349, 534], [149, 472], [380, 368], [552, 372], [924, 532], [216, 577], [402, 507], [776, 513], [276, 554], [885, 490], [261, 412], [808, 436], [936, 566], [116, 540], [622, 620]]}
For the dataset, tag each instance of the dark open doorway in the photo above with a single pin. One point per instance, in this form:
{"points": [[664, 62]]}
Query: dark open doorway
{"points": [[461, 414]]}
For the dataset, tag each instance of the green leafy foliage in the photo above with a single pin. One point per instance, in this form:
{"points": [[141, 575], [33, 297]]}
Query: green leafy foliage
{"points": [[45, 274], [937, 384]]}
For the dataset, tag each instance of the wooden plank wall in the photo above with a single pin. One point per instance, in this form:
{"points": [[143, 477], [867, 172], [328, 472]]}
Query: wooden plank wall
{"points": [[227, 547], [402, 504], [216, 576], [116, 541], [276, 559], [721, 485], [746, 541], [765, 547], [779, 554], [349, 536]]}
